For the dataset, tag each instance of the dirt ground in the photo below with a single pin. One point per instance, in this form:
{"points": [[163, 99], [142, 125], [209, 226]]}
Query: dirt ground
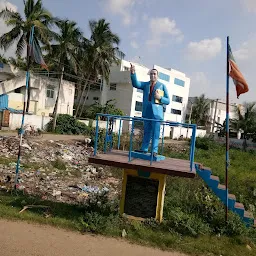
{"points": [[23, 239], [46, 136]]}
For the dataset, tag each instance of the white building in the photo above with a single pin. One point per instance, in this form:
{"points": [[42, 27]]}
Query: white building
{"points": [[129, 99], [43, 93], [217, 112]]}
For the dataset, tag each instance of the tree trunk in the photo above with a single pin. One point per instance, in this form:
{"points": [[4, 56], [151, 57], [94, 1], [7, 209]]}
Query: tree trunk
{"points": [[82, 108], [81, 96], [55, 111]]}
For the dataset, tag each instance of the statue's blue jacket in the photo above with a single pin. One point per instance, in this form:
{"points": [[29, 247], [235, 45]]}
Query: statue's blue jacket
{"points": [[157, 109]]}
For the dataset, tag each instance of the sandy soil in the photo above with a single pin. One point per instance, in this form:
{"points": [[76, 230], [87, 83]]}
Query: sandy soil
{"points": [[23, 239]]}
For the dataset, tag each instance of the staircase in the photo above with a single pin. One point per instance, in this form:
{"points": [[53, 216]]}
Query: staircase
{"points": [[213, 183]]}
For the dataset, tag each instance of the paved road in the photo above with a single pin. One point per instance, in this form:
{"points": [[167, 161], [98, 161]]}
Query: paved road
{"points": [[22, 239]]}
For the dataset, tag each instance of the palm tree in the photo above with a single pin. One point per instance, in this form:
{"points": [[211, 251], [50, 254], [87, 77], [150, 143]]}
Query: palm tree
{"points": [[3, 59], [245, 120], [101, 52], [64, 51], [35, 15], [200, 110]]}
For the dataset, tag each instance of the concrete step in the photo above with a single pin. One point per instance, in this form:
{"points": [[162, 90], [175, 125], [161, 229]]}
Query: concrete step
{"points": [[212, 177], [239, 209], [231, 196], [239, 205], [248, 218], [222, 187]]}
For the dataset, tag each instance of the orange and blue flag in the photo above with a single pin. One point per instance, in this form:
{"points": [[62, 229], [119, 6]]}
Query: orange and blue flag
{"points": [[36, 54], [235, 73]]}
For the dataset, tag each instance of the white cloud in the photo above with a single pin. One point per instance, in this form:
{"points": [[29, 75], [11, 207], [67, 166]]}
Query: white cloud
{"points": [[134, 45], [246, 52], [122, 8], [134, 34], [250, 5], [199, 83], [160, 29], [10, 6], [145, 17], [205, 49]]}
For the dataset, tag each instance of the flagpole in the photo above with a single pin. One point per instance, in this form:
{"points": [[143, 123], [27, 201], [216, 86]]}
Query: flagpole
{"points": [[227, 129], [24, 106]]}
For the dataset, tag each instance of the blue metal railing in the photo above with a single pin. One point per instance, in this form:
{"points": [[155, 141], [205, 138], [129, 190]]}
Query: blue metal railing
{"points": [[140, 119]]}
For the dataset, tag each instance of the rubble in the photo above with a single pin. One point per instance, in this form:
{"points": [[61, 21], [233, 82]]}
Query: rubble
{"points": [[42, 173]]}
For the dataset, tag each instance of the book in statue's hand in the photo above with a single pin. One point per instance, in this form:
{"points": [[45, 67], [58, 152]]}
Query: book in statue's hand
{"points": [[161, 93]]}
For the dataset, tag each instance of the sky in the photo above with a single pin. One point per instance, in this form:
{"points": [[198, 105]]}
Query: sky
{"points": [[186, 35]]}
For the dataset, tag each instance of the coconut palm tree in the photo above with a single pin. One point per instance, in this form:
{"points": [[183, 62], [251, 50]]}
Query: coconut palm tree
{"points": [[101, 51], [200, 110], [245, 120], [35, 15], [64, 51], [3, 59]]}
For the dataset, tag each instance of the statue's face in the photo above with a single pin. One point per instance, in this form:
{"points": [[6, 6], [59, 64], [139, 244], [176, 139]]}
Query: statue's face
{"points": [[153, 75]]}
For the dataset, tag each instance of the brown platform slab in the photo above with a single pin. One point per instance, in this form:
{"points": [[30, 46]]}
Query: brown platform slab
{"points": [[169, 166]]}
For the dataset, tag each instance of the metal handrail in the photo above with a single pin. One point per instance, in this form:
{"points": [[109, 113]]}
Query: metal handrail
{"points": [[133, 119]]}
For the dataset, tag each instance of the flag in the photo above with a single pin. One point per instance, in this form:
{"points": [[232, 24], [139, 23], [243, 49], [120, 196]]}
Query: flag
{"points": [[36, 54], [238, 78]]}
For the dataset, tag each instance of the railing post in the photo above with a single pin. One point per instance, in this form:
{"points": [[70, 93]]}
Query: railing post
{"points": [[152, 143], [130, 149], [105, 142], [162, 149], [119, 134], [192, 151], [96, 135]]}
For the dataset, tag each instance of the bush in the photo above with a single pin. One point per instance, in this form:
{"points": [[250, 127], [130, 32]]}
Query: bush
{"points": [[205, 143], [67, 124]]}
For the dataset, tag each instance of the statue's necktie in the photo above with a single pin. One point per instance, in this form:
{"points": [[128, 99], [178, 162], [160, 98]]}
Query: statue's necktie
{"points": [[151, 91]]}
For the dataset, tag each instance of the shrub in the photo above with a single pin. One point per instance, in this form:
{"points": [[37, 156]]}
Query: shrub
{"points": [[205, 143], [67, 124]]}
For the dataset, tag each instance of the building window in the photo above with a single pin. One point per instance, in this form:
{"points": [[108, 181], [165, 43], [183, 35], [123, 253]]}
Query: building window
{"points": [[50, 92], [177, 98], [139, 90], [179, 82], [164, 77], [126, 68], [86, 97], [138, 106], [113, 87], [95, 98], [176, 111]]}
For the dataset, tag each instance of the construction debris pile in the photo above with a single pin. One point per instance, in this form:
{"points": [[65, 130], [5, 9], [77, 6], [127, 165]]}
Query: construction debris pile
{"points": [[55, 170]]}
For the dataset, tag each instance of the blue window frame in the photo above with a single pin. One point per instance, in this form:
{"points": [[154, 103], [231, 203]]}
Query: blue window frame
{"points": [[176, 111], [177, 99], [138, 106], [179, 82], [164, 77]]}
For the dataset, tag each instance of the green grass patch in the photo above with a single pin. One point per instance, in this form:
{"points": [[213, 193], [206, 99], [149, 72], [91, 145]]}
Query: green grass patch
{"points": [[194, 218]]}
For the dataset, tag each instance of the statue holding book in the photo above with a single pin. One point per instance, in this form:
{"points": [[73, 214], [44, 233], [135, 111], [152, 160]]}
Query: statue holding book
{"points": [[155, 95]]}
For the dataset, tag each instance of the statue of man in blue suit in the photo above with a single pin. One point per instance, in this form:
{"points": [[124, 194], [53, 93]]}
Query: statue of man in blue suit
{"points": [[155, 94]]}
